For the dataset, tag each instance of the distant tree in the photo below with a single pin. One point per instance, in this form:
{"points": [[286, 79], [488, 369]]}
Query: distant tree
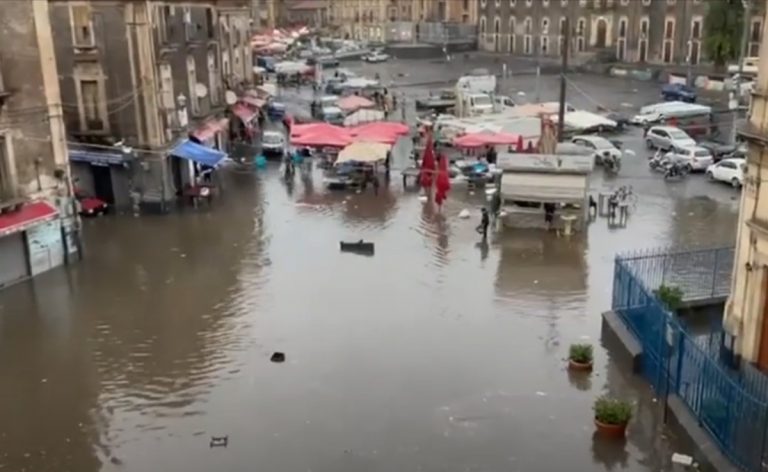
{"points": [[723, 27]]}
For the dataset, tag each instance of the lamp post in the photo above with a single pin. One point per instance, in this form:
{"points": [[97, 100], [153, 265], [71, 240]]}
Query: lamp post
{"points": [[742, 52]]}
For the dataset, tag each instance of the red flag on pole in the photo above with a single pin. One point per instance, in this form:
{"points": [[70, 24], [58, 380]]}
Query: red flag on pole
{"points": [[427, 173], [443, 182]]}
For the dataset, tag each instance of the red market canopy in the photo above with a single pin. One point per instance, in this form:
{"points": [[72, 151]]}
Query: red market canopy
{"points": [[242, 111], [381, 132], [393, 127], [318, 128], [475, 140], [27, 215], [322, 138], [354, 103], [209, 129]]}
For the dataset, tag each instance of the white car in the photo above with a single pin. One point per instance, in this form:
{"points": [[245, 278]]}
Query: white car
{"points": [[728, 170], [696, 158], [599, 146], [667, 138], [376, 56], [273, 142]]}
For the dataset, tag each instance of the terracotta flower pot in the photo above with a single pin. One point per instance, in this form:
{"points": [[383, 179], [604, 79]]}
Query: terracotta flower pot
{"points": [[581, 366], [611, 430]]}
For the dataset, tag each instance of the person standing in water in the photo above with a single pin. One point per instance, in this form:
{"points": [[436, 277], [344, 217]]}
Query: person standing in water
{"points": [[485, 220]]}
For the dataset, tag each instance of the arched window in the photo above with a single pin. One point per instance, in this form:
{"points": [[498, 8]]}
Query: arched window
{"points": [[512, 24], [482, 25], [528, 25], [545, 25], [497, 26]]}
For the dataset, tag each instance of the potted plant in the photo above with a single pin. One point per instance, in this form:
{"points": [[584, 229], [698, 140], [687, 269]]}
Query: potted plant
{"points": [[670, 296], [580, 357], [612, 416]]}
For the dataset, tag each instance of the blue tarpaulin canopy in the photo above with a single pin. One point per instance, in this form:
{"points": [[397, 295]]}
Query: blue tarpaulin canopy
{"points": [[198, 153]]}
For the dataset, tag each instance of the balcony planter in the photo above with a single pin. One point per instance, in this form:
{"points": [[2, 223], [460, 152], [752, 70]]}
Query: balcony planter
{"points": [[612, 416], [580, 357]]}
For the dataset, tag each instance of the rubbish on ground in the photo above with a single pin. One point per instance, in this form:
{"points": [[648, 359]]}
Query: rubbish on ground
{"points": [[357, 247], [682, 459], [541, 394], [277, 357], [464, 214], [423, 198], [219, 441]]}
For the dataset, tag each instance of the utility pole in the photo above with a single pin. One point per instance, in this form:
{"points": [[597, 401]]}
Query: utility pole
{"points": [[564, 47], [742, 52]]}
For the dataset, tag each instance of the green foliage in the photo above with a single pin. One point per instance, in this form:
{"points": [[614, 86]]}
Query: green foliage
{"points": [[723, 27], [612, 411], [581, 353], [670, 296]]}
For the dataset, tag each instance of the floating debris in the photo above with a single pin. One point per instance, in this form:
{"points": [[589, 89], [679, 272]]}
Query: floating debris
{"points": [[277, 357], [464, 214], [682, 459], [219, 441]]}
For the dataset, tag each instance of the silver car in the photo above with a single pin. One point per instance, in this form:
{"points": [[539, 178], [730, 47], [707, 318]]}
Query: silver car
{"points": [[667, 138], [696, 158]]}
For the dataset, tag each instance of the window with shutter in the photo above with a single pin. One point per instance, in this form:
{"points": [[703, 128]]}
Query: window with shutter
{"points": [[82, 26]]}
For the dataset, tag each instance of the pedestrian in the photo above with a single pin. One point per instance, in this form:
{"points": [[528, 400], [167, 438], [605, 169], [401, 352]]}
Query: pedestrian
{"points": [[485, 220], [387, 164], [549, 214], [375, 182]]}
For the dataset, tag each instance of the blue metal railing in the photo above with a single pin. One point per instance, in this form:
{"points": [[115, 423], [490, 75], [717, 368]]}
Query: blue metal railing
{"points": [[732, 405]]}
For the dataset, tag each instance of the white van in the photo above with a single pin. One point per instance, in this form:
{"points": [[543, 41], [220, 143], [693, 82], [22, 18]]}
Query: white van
{"points": [[666, 110], [749, 66]]}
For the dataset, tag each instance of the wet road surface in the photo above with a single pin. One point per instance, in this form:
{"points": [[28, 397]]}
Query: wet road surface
{"points": [[437, 354]]}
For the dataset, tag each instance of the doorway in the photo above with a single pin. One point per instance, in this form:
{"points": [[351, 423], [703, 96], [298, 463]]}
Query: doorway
{"points": [[602, 33], [642, 55], [102, 183]]}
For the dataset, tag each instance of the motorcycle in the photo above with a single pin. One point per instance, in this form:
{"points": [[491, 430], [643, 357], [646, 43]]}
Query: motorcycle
{"points": [[675, 170], [658, 162], [611, 164]]}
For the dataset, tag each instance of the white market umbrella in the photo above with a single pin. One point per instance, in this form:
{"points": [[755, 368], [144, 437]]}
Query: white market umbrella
{"points": [[363, 151]]}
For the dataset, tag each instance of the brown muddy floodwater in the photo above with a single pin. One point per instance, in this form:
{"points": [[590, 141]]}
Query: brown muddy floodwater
{"points": [[437, 354]]}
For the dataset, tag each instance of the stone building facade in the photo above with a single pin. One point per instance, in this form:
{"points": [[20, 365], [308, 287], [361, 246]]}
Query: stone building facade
{"points": [[137, 76], [746, 312], [39, 226], [643, 31]]}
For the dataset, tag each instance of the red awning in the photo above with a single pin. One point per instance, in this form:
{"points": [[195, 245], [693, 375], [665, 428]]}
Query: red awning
{"points": [[209, 129], [28, 215], [253, 101], [243, 112]]}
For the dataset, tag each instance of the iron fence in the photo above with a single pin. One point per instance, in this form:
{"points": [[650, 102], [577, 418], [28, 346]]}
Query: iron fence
{"points": [[732, 405]]}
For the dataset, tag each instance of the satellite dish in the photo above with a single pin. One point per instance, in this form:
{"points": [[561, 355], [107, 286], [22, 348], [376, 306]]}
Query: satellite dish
{"points": [[201, 90], [230, 97]]}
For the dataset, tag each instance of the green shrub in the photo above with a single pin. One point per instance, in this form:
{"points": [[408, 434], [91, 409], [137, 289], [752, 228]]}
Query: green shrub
{"points": [[670, 296], [581, 353], [612, 411]]}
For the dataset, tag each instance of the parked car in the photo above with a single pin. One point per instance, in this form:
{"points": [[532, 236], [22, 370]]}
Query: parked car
{"points": [[695, 158], [376, 56], [599, 146], [90, 205], [728, 170], [719, 150], [667, 137], [678, 92], [273, 143]]}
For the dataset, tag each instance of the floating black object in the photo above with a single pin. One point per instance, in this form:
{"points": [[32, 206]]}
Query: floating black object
{"points": [[358, 247], [219, 441], [277, 357]]}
